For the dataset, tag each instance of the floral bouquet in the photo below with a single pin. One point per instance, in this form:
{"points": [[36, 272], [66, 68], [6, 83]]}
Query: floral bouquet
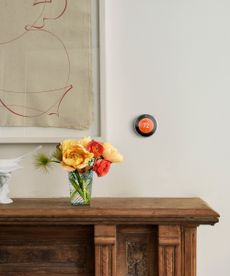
{"points": [[80, 158]]}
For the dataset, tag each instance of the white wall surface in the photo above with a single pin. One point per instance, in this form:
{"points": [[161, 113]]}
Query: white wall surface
{"points": [[170, 59]]}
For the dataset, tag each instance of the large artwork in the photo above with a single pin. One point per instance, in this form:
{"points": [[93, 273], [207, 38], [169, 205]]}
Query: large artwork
{"points": [[45, 63]]}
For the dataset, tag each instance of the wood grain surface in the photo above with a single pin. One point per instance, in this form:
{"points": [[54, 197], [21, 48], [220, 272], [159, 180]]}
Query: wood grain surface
{"points": [[111, 237], [112, 210]]}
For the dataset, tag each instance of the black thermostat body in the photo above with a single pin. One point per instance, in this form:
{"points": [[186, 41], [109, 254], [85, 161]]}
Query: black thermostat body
{"points": [[145, 125]]}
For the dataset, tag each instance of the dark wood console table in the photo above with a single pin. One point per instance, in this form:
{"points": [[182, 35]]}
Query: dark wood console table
{"points": [[112, 237]]}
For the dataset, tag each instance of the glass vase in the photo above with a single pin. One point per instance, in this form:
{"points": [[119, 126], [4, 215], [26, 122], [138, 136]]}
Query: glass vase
{"points": [[80, 187]]}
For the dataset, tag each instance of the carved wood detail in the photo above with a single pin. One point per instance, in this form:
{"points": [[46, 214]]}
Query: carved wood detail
{"points": [[189, 256], [169, 250], [105, 250], [136, 251], [137, 258]]}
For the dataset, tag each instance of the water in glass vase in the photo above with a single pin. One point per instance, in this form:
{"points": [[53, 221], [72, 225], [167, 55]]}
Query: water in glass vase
{"points": [[80, 187]]}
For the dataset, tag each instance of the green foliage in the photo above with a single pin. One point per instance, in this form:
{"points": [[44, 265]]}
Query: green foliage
{"points": [[43, 161]]}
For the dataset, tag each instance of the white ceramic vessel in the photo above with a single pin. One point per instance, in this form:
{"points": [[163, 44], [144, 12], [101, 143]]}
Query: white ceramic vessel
{"points": [[7, 167]]}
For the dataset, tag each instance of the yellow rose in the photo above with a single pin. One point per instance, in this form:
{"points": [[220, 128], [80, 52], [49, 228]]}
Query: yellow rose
{"points": [[67, 144], [84, 141], [74, 155], [111, 153]]}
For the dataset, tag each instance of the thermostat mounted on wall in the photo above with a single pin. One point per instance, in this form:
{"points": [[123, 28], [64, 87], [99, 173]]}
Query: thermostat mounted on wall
{"points": [[145, 125]]}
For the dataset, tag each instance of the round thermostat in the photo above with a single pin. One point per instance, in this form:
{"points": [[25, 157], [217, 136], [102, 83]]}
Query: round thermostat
{"points": [[145, 125]]}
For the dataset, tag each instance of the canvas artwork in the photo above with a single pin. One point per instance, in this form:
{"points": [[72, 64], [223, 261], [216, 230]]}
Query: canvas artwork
{"points": [[45, 63]]}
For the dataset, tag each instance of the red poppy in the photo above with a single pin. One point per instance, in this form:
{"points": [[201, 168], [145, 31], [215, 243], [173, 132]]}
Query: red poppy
{"points": [[101, 167]]}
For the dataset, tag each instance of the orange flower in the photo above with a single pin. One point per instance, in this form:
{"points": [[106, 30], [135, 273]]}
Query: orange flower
{"points": [[96, 148]]}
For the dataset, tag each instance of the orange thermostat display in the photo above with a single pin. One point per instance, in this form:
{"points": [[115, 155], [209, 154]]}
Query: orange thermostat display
{"points": [[145, 125]]}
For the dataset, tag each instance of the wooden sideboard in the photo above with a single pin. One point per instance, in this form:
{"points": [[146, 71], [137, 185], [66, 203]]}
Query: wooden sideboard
{"points": [[114, 236]]}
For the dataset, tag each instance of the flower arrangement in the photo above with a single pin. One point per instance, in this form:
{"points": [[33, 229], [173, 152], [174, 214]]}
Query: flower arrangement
{"points": [[80, 158]]}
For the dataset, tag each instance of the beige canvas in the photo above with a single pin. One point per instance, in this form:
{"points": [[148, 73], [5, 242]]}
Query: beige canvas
{"points": [[45, 63]]}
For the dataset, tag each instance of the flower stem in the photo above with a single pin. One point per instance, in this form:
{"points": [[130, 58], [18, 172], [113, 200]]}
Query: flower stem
{"points": [[81, 184]]}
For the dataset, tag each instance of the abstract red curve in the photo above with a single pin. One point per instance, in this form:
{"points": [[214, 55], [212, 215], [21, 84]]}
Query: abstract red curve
{"points": [[67, 87]]}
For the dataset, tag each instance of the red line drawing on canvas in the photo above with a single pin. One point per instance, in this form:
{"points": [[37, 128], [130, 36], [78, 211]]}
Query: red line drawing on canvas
{"points": [[48, 18], [53, 96], [36, 2], [10, 108], [22, 30]]}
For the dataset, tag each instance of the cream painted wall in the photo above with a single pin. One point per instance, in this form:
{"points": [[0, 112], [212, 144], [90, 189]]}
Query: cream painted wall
{"points": [[170, 59]]}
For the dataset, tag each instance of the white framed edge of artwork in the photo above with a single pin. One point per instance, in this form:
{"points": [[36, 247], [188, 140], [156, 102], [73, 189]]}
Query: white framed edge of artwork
{"points": [[41, 135]]}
